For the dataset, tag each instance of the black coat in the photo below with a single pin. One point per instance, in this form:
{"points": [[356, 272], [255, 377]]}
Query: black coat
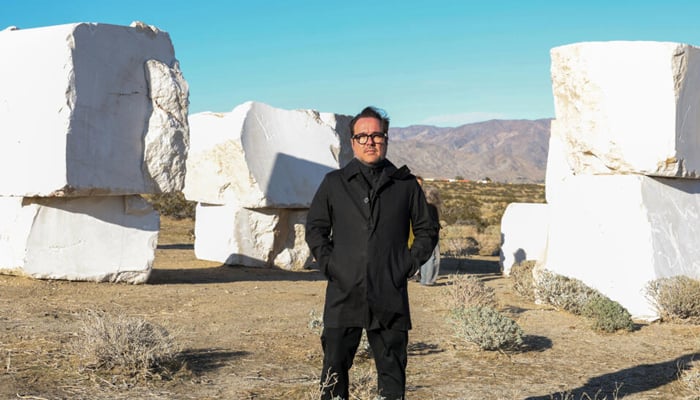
{"points": [[359, 237]]}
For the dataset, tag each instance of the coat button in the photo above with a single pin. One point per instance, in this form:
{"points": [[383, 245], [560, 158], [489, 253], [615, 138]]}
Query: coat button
{"points": [[366, 200]]}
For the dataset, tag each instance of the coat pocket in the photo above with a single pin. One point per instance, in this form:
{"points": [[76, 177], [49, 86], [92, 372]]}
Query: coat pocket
{"points": [[402, 268]]}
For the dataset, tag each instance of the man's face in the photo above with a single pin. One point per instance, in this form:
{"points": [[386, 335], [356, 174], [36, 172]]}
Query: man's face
{"points": [[370, 152]]}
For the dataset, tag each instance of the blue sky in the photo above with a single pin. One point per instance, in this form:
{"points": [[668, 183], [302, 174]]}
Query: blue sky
{"points": [[437, 62]]}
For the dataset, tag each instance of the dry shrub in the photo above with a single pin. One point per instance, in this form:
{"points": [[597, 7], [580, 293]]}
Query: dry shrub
{"points": [[523, 282], [129, 346], [468, 291], [561, 292], [173, 205], [574, 296], [467, 240], [315, 322], [689, 376], [474, 317], [487, 328], [363, 385], [675, 298], [490, 240]]}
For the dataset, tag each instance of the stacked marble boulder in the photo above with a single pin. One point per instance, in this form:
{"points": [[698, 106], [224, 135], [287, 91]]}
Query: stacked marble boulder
{"points": [[91, 117], [623, 172], [253, 172]]}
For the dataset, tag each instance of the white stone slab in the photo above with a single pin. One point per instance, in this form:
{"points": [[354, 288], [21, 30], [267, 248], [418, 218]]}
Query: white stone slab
{"points": [[618, 232], [259, 156], [629, 107], [524, 228], [108, 238], [91, 109], [235, 235]]}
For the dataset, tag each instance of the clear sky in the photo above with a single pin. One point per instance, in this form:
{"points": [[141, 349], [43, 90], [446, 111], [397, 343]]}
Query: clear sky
{"points": [[436, 62]]}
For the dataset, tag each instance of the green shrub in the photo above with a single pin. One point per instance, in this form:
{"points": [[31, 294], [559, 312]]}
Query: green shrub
{"points": [[675, 298], [563, 293], [607, 315], [467, 291], [523, 282], [172, 205], [486, 328]]}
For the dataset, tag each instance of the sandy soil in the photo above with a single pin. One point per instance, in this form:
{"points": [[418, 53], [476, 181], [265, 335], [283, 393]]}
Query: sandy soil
{"points": [[245, 335]]}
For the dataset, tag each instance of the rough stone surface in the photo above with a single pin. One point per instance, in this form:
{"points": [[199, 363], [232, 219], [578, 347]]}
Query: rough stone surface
{"points": [[629, 107], [258, 156], [524, 228], [558, 168], [292, 251], [109, 238], [235, 235], [91, 109], [618, 232]]}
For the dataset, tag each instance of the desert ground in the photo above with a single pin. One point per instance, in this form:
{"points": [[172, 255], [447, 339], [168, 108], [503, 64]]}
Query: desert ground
{"points": [[244, 333]]}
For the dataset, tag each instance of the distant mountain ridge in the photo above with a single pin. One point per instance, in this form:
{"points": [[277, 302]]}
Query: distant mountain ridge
{"points": [[512, 151]]}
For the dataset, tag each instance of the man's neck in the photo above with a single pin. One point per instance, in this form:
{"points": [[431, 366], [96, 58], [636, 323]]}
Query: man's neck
{"points": [[378, 164]]}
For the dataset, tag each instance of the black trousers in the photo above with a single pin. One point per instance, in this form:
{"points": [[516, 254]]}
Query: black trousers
{"points": [[389, 347]]}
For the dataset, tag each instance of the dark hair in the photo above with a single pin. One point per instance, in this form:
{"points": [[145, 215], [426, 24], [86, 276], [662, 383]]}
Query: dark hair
{"points": [[371, 112]]}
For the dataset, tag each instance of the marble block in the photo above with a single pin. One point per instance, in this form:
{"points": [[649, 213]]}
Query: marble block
{"points": [[629, 107], [102, 239], [524, 228], [234, 235], [258, 156], [91, 109], [618, 232]]}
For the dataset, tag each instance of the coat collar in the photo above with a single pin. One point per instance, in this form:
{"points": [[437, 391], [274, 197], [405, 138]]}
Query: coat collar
{"points": [[390, 171]]}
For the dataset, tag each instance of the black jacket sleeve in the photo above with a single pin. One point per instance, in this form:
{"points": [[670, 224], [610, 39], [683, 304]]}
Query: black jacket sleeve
{"points": [[426, 229], [319, 227]]}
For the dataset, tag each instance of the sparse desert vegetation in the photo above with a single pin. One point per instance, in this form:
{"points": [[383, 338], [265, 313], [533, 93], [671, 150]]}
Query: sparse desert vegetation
{"points": [[213, 331]]}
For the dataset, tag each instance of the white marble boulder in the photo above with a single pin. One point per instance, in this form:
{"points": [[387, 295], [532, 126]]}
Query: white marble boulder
{"points": [[618, 232], [629, 107], [258, 156], [103, 239], [91, 109], [234, 235], [524, 228], [558, 168]]}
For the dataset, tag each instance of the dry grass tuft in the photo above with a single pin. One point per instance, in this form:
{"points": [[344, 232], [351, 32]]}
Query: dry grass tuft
{"points": [[523, 282], [126, 346], [468, 291], [689, 377], [676, 298], [363, 385]]}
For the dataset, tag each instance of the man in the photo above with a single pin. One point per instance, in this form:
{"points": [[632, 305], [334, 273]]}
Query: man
{"points": [[357, 228]]}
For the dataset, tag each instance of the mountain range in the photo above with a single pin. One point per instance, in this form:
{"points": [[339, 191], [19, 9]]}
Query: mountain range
{"points": [[512, 151]]}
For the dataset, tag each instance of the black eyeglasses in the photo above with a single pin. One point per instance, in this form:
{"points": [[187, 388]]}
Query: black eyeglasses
{"points": [[363, 138]]}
